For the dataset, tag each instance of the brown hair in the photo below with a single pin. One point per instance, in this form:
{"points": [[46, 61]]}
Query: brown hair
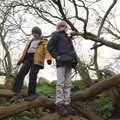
{"points": [[36, 30]]}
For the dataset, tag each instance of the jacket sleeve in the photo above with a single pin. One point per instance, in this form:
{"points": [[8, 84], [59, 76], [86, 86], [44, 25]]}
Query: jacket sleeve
{"points": [[47, 54], [24, 52], [51, 47]]}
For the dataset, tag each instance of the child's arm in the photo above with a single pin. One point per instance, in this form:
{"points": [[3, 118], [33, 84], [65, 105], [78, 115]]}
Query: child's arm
{"points": [[51, 46], [48, 57]]}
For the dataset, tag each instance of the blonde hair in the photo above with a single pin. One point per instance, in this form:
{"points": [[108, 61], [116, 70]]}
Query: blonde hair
{"points": [[61, 26]]}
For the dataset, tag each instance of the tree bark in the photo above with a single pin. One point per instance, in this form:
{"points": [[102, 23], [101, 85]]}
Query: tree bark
{"points": [[115, 93]]}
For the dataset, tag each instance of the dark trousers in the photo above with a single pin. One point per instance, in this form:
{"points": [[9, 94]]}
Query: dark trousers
{"points": [[27, 66]]}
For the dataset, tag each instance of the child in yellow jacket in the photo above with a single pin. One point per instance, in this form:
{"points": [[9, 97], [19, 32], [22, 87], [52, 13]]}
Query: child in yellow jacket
{"points": [[33, 58]]}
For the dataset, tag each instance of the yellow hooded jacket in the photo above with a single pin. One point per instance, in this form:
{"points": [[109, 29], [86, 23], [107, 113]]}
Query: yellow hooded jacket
{"points": [[40, 55]]}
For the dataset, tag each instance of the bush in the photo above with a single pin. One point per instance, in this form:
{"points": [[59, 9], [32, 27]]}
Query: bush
{"points": [[45, 88], [78, 85], [53, 84], [105, 105], [2, 86], [43, 82]]}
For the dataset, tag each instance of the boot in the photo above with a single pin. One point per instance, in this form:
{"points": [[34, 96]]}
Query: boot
{"points": [[15, 98], [70, 110], [30, 97], [61, 110]]}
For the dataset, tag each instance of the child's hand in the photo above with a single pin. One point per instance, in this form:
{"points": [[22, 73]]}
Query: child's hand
{"points": [[58, 57], [73, 33], [18, 63], [49, 62]]}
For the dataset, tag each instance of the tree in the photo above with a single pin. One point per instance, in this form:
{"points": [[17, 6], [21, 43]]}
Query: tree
{"points": [[8, 26], [102, 21]]}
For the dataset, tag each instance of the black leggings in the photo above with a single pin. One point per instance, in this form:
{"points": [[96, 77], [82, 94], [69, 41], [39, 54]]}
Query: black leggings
{"points": [[27, 66]]}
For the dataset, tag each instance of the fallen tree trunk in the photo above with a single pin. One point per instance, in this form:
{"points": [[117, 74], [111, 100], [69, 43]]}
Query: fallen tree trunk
{"points": [[43, 101], [58, 117], [88, 113], [8, 93], [115, 94], [97, 88]]}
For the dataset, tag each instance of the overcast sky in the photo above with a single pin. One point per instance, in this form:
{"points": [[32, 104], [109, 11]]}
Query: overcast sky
{"points": [[82, 47]]}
